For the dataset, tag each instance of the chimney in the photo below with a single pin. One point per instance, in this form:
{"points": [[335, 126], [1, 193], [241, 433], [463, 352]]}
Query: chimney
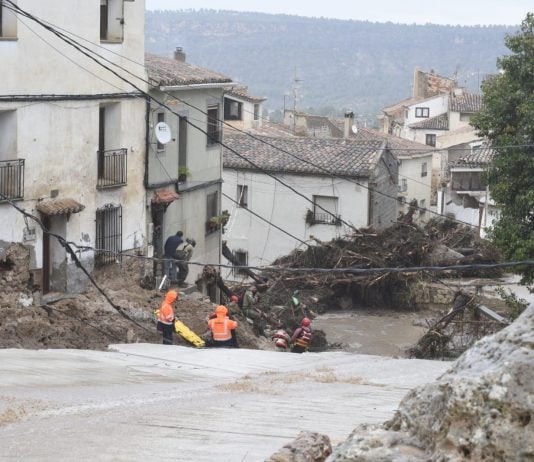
{"points": [[179, 54], [349, 122]]}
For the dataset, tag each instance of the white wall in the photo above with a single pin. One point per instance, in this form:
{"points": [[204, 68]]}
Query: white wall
{"points": [[418, 187], [437, 105], [284, 208], [59, 139]]}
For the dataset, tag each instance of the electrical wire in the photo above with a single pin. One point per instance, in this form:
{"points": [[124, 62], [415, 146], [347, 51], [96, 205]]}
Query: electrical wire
{"points": [[77, 46]]}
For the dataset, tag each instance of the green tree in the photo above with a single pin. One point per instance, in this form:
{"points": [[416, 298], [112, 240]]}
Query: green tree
{"points": [[508, 120]]}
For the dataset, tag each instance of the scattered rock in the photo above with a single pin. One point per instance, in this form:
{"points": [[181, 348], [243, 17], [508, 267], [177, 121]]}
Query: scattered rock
{"points": [[306, 447]]}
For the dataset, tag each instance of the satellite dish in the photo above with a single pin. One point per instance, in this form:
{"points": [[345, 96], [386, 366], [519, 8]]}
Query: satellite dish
{"points": [[163, 132], [354, 129]]}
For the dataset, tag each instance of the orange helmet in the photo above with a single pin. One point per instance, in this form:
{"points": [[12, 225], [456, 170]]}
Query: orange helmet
{"points": [[305, 322]]}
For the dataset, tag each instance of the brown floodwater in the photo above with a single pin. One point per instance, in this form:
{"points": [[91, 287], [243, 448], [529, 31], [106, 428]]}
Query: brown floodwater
{"points": [[383, 333]]}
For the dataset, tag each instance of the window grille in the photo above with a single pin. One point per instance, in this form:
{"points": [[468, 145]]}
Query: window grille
{"points": [[108, 234]]}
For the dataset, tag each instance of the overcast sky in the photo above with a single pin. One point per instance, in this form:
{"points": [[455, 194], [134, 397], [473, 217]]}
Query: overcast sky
{"points": [[463, 12]]}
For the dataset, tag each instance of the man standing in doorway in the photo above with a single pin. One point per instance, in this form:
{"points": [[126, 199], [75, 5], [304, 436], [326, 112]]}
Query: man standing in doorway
{"points": [[169, 265]]}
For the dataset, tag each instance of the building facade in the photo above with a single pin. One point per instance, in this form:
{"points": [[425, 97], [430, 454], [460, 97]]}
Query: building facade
{"points": [[183, 178], [342, 184], [72, 136]]}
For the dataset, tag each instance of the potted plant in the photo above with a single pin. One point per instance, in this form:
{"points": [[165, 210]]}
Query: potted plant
{"points": [[183, 174]]}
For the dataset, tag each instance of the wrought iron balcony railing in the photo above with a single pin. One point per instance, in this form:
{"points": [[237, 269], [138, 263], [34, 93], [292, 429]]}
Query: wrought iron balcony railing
{"points": [[12, 179], [112, 168]]}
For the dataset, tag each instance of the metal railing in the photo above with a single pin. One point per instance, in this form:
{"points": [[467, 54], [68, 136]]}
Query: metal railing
{"points": [[326, 218], [12, 179], [112, 168]]}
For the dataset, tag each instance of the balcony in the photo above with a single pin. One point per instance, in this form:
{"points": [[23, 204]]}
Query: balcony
{"points": [[11, 179], [112, 168], [322, 218]]}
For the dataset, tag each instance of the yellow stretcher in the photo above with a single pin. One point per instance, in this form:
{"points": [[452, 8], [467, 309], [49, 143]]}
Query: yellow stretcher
{"points": [[188, 335]]}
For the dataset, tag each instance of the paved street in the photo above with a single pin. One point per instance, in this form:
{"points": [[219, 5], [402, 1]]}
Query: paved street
{"points": [[151, 402]]}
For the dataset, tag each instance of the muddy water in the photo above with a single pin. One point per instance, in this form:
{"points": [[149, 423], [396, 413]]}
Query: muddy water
{"points": [[386, 333]]}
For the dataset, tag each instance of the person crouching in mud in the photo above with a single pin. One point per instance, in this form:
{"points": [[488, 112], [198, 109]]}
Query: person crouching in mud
{"points": [[301, 338]]}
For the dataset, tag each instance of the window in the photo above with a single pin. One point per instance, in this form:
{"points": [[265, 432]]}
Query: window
{"points": [[111, 20], [111, 163], [423, 169], [325, 210], [256, 112], [232, 109], [160, 118], [8, 23], [213, 130], [404, 185], [431, 140], [108, 234], [182, 144], [422, 112], [241, 258], [242, 195], [422, 205], [212, 213]]}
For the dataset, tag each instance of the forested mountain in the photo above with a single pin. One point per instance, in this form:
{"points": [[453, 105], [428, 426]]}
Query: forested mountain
{"points": [[341, 64]]}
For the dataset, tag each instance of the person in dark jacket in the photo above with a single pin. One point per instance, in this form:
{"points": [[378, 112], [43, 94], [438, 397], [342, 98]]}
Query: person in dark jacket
{"points": [[171, 244], [301, 338]]}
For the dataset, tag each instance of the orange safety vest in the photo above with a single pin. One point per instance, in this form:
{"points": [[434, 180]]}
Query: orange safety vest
{"points": [[166, 312], [221, 328]]}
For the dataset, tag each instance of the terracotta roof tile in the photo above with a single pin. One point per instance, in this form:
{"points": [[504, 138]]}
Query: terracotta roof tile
{"points": [[399, 146], [242, 93], [169, 72], [341, 157], [478, 158], [440, 122], [59, 206], [468, 102]]}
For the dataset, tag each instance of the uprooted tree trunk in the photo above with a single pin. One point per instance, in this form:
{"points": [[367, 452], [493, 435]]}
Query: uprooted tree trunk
{"points": [[228, 254]]}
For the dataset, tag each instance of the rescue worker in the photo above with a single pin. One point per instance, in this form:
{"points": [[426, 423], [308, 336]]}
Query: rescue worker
{"points": [[166, 317], [301, 338], [221, 327], [183, 255], [281, 340], [171, 244]]}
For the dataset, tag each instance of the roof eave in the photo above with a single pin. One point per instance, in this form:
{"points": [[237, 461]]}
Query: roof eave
{"points": [[197, 86]]}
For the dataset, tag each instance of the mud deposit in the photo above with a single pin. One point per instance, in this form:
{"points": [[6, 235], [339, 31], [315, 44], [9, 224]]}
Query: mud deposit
{"points": [[385, 333]]}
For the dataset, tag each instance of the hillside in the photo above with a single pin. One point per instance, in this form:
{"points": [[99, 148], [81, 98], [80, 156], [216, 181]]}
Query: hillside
{"points": [[342, 64]]}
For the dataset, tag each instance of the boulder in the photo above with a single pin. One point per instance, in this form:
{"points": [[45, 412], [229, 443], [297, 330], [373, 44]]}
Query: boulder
{"points": [[480, 409]]}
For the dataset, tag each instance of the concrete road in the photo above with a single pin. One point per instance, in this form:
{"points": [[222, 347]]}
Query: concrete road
{"points": [[143, 402]]}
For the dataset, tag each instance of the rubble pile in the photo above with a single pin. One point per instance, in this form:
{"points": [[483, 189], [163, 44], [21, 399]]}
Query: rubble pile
{"points": [[398, 246], [481, 409]]}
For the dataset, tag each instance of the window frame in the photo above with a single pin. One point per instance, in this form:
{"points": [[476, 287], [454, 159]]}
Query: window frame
{"points": [[319, 216], [422, 112], [432, 138], [242, 195], [424, 169], [238, 254], [160, 117], [108, 234], [213, 126]]}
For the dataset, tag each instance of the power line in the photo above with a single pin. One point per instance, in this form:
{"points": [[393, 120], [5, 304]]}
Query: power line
{"points": [[74, 257], [266, 221], [75, 45]]}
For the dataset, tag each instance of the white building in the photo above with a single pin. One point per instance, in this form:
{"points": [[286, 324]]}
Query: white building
{"points": [[184, 175], [72, 135], [242, 111], [361, 191], [415, 170], [467, 197]]}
